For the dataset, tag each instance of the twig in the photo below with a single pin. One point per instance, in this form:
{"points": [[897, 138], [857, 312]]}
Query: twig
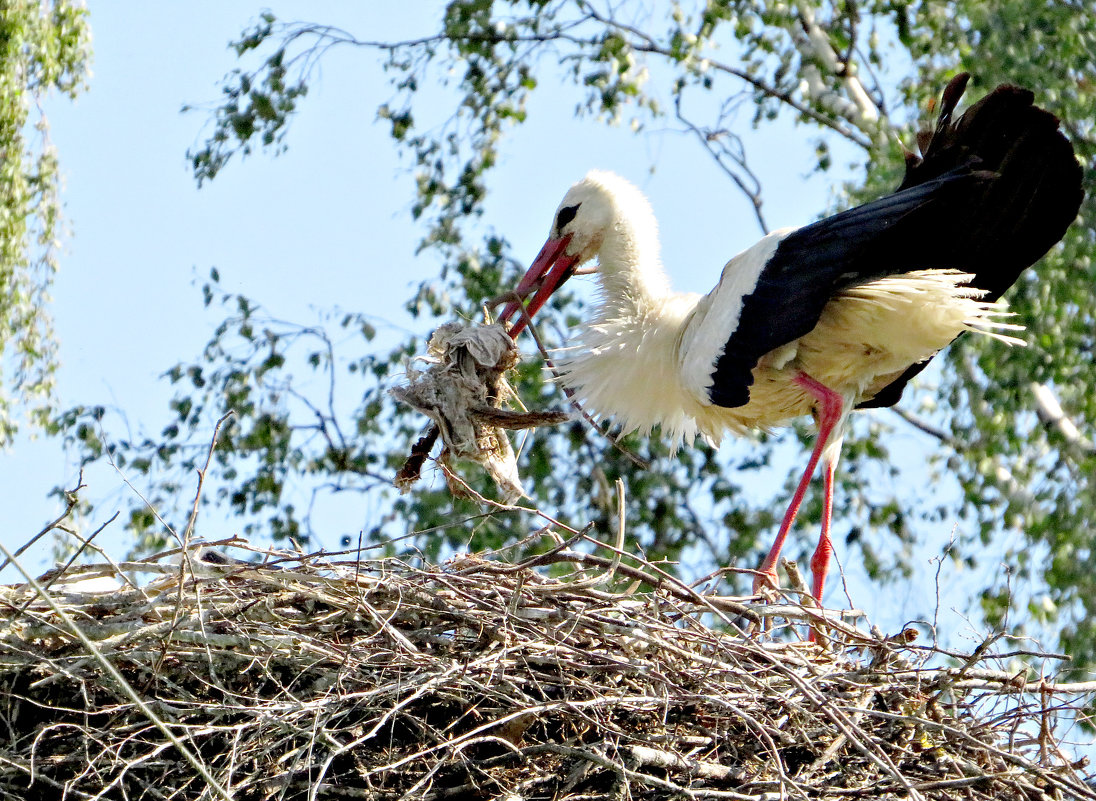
{"points": [[193, 518], [72, 560], [606, 577], [70, 503], [123, 685]]}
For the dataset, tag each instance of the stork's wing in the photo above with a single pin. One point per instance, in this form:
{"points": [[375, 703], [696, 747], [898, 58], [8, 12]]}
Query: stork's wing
{"points": [[995, 190], [774, 293]]}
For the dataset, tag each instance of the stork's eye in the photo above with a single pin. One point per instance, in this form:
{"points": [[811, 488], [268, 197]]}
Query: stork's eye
{"points": [[565, 216]]}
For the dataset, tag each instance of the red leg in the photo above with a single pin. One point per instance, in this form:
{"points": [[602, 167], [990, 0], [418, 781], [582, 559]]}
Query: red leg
{"points": [[821, 559], [830, 406]]}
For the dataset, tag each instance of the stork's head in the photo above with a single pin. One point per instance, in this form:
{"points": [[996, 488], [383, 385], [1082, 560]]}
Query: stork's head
{"points": [[588, 213]]}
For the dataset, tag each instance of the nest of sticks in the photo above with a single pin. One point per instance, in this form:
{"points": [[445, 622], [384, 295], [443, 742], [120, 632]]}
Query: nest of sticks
{"points": [[319, 678]]}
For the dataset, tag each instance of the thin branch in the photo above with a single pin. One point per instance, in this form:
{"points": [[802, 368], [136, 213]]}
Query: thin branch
{"points": [[923, 425], [1004, 476], [641, 42], [71, 500], [713, 141], [189, 530], [63, 570]]}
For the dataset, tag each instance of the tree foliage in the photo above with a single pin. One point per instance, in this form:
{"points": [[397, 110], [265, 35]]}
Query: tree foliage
{"points": [[44, 46], [858, 73]]}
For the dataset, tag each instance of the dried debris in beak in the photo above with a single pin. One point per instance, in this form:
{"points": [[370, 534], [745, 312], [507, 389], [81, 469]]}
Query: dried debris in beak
{"points": [[462, 391]]}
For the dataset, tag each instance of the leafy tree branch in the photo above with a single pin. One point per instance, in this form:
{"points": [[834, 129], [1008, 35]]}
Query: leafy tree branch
{"points": [[44, 48]]}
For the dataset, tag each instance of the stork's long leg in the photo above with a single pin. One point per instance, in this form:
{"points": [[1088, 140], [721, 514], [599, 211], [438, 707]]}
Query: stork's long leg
{"points": [[830, 408], [821, 559]]}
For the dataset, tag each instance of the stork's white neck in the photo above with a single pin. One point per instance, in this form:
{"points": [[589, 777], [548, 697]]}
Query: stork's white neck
{"points": [[629, 269], [625, 363]]}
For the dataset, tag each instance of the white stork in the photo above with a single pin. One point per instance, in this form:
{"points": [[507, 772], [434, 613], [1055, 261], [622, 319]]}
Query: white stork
{"points": [[823, 319]]}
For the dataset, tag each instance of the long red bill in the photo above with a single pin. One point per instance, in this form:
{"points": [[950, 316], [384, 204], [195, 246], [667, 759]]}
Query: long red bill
{"points": [[550, 269]]}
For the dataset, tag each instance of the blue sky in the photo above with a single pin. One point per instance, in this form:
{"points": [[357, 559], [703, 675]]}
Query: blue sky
{"points": [[326, 224]]}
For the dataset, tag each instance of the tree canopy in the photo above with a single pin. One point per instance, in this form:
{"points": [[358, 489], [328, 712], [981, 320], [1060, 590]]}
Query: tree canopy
{"points": [[44, 47], [1014, 426]]}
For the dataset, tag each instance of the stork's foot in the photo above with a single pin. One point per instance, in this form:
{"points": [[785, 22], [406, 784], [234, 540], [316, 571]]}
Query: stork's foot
{"points": [[766, 587], [765, 583]]}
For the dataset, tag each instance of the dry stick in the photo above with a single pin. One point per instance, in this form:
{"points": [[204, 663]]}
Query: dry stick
{"points": [[1045, 726], [109, 667], [596, 758], [68, 564], [125, 480], [70, 503], [806, 599], [681, 591], [189, 530], [607, 576], [185, 562], [645, 755], [972, 660], [1005, 682], [86, 543], [502, 507], [540, 559]]}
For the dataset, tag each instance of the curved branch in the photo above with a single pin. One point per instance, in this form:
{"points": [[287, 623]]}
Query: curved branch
{"points": [[1015, 490], [741, 174]]}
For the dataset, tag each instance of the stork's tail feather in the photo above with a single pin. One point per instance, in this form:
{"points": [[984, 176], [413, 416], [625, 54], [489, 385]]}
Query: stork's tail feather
{"points": [[946, 301], [1033, 191], [997, 227]]}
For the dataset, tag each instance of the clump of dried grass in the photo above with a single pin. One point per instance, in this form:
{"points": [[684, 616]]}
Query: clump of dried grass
{"points": [[480, 679]]}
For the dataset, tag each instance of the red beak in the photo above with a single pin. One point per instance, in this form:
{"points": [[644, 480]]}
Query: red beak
{"points": [[549, 270]]}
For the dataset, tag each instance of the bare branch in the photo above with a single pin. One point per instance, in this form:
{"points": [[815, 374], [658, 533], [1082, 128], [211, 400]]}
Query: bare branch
{"points": [[329, 36], [1054, 417], [71, 499], [814, 44], [1012, 487], [731, 158]]}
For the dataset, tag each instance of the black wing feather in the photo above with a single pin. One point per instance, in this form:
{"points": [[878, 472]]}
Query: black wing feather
{"points": [[994, 191], [811, 264]]}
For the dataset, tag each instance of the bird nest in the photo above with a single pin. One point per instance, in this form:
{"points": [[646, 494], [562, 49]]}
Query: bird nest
{"points": [[319, 678]]}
